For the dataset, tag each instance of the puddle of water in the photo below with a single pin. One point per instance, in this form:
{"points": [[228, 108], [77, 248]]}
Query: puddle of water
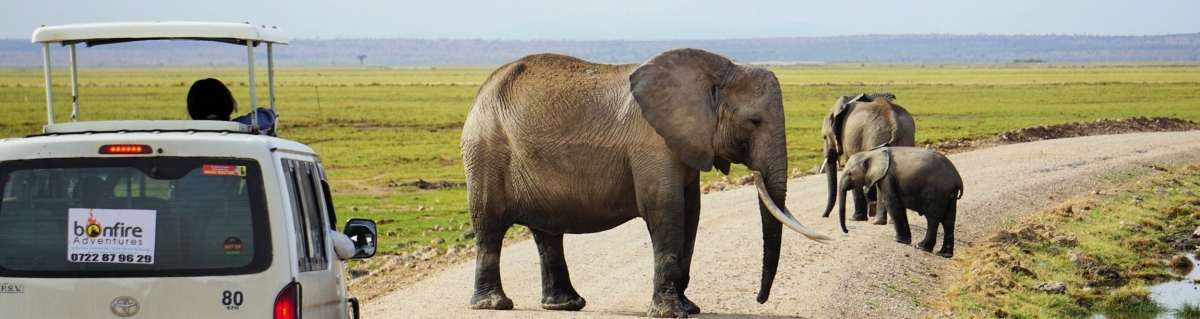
{"points": [[1173, 294]]}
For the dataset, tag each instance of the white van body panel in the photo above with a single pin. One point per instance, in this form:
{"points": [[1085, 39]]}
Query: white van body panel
{"points": [[183, 297], [317, 303]]}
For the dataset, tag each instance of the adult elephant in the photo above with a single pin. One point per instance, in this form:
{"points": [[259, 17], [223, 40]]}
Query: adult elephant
{"points": [[857, 124], [562, 145]]}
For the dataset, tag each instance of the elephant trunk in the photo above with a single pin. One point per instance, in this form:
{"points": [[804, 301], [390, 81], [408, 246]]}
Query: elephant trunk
{"points": [[830, 168], [774, 215], [841, 202], [772, 231]]}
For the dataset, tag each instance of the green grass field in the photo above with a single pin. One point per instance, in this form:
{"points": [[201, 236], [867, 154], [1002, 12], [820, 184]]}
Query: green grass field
{"points": [[376, 126]]}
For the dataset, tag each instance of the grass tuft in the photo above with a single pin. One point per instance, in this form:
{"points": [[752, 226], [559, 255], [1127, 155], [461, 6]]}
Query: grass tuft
{"points": [[1188, 311]]}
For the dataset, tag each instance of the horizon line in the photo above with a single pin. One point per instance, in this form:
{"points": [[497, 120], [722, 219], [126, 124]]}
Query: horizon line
{"points": [[318, 38]]}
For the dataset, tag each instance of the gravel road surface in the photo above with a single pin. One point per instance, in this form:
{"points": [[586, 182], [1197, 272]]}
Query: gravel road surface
{"points": [[862, 274]]}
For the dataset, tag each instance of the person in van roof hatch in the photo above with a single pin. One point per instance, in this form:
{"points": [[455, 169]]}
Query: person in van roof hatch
{"points": [[209, 99]]}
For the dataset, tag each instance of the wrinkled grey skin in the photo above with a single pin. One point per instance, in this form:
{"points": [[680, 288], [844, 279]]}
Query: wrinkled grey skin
{"points": [[562, 145], [913, 178], [856, 124]]}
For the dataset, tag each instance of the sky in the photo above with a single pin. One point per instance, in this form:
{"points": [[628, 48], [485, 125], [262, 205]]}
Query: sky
{"points": [[626, 19]]}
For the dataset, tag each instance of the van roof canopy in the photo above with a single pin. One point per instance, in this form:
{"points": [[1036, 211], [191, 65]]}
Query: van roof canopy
{"points": [[118, 32]]}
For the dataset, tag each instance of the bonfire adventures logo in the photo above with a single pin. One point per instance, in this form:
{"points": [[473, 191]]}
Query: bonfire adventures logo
{"points": [[111, 235], [93, 228], [119, 233]]}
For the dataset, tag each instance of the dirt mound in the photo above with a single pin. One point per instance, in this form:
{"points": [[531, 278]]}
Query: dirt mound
{"points": [[727, 183], [1097, 127], [422, 184]]}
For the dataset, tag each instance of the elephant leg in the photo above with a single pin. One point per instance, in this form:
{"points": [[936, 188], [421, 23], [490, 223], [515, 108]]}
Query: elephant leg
{"points": [[950, 214], [691, 223], [891, 202], [487, 204], [488, 218], [860, 205], [557, 291], [880, 217], [668, 236], [931, 230], [489, 293]]}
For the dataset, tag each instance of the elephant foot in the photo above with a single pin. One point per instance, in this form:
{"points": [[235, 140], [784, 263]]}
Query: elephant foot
{"points": [[570, 302], [946, 252], [879, 221], [903, 240], [689, 306], [667, 305], [494, 301], [924, 246], [665, 311], [859, 217]]}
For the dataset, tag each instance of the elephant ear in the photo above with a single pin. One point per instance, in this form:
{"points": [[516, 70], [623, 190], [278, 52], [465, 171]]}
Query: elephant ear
{"points": [[837, 118], [833, 121], [676, 91], [878, 167]]}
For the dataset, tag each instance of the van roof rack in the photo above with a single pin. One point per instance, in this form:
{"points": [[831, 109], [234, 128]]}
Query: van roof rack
{"points": [[94, 34]]}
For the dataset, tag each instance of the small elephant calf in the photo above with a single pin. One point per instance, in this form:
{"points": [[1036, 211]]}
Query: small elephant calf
{"points": [[913, 178]]}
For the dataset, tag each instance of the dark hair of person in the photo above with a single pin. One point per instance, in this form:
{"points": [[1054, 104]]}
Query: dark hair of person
{"points": [[209, 99]]}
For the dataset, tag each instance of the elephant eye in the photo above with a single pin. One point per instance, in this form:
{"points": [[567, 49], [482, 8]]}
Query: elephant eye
{"points": [[756, 121]]}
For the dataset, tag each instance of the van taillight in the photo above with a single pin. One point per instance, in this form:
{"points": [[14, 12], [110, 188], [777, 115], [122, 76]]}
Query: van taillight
{"points": [[287, 303], [125, 149]]}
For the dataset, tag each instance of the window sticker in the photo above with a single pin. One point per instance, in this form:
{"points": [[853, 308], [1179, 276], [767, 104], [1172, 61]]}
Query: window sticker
{"points": [[232, 246], [224, 170], [124, 236]]}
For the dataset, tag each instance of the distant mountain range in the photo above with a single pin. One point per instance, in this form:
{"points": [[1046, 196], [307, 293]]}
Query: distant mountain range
{"points": [[935, 48]]}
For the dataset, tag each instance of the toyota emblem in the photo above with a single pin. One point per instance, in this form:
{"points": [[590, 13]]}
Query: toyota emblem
{"points": [[125, 306]]}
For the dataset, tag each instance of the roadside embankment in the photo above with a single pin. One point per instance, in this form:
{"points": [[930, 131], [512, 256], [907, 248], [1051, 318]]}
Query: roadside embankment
{"points": [[1097, 254]]}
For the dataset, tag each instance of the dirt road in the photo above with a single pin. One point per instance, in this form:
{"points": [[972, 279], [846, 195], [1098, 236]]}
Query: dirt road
{"points": [[862, 274]]}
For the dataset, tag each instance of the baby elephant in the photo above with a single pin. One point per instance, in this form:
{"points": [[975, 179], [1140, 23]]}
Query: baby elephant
{"points": [[907, 177]]}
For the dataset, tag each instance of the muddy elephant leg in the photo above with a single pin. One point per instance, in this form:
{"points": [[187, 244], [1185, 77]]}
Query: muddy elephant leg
{"points": [[668, 236], [860, 205], [489, 293], [557, 291], [667, 241], [487, 217], [949, 215], [891, 202], [691, 223]]}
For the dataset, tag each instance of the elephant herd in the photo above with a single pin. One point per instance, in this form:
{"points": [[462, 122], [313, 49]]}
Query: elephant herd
{"points": [[565, 146]]}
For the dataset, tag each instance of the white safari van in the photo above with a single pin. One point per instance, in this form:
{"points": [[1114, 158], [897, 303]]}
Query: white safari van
{"points": [[169, 218]]}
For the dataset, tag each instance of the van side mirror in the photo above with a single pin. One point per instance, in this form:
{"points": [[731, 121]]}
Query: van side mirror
{"points": [[362, 233]]}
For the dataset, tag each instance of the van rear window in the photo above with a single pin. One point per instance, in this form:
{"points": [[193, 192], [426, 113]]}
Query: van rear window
{"points": [[133, 217]]}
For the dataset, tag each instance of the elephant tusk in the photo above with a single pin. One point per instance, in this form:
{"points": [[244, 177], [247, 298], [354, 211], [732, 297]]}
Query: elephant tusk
{"points": [[823, 163], [785, 216]]}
